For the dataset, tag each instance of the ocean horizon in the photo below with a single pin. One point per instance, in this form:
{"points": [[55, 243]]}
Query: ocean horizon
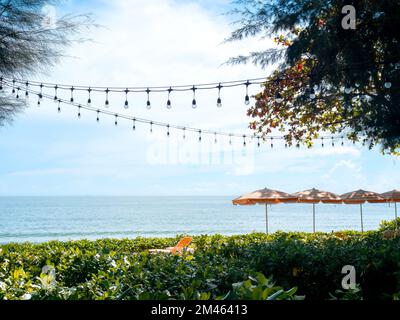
{"points": [[40, 219]]}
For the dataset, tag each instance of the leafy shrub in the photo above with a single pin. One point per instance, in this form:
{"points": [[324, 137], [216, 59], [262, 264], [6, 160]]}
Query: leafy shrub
{"points": [[123, 269]]}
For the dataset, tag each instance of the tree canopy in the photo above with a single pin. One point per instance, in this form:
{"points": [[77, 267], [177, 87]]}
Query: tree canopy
{"points": [[330, 79], [31, 41]]}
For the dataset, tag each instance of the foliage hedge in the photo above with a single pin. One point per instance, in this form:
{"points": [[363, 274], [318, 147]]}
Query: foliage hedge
{"points": [[221, 268]]}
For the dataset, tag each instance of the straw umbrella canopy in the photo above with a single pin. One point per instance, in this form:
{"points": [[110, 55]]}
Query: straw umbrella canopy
{"points": [[265, 196], [316, 196], [360, 197], [392, 196]]}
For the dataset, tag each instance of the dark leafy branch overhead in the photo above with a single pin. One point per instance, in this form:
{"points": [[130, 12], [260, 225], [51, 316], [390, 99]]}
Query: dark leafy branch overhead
{"points": [[28, 45], [353, 76]]}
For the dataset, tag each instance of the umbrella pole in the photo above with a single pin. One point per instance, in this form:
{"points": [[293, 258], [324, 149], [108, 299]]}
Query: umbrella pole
{"points": [[266, 217], [313, 217], [362, 223]]}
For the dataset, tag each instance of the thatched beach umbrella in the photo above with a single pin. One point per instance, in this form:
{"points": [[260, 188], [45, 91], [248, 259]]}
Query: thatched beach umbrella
{"points": [[360, 197], [265, 196], [393, 196], [315, 196]]}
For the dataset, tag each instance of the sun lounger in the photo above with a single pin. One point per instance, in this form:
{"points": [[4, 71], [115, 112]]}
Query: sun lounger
{"points": [[181, 246]]}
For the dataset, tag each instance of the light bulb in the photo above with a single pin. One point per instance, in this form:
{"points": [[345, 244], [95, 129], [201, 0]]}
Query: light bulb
{"points": [[106, 104], [347, 90], [278, 98], [169, 106], [126, 105], [148, 105], [388, 84], [219, 102], [247, 100], [312, 94], [194, 104]]}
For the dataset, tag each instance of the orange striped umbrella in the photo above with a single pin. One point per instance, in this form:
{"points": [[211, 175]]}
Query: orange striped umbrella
{"points": [[265, 196], [316, 196], [392, 196], [360, 197]]}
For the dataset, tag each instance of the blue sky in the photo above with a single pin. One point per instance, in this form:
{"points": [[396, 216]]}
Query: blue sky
{"points": [[162, 42]]}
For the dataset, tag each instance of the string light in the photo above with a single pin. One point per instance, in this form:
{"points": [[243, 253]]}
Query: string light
{"points": [[55, 92], [312, 94], [322, 142], [168, 126], [278, 98], [59, 106], [17, 96], [40, 95], [219, 101], [134, 124], [167, 130], [258, 142], [184, 133], [72, 94], [98, 118], [247, 98], [342, 141], [215, 138], [272, 143], [13, 87], [333, 142], [348, 88], [148, 104], [194, 102], [388, 84], [26, 90]]}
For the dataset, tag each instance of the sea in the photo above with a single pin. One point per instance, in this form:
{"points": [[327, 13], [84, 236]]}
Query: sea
{"points": [[40, 219]]}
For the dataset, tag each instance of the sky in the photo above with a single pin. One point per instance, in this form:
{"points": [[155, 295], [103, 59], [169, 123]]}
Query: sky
{"points": [[165, 42]]}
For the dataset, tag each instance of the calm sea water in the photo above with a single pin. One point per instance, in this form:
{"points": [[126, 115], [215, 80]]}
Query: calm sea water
{"points": [[40, 219]]}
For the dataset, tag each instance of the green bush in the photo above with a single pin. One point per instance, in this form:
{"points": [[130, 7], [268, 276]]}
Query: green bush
{"points": [[123, 269]]}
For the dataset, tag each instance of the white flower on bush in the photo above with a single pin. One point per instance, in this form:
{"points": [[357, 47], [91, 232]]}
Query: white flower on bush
{"points": [[48, 278], [26, 296], [2, 286]]}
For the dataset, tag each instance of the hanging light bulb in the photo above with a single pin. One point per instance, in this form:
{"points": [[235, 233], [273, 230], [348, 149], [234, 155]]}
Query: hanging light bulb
{"points": [[322, 142], [199, 135], [219, 100], [107, 102], [184, 133], [17, 96], [13, 87], [98, 118], [134, 124], [126, 104], [244, 141], [40, 98], [59, 106], [278, 98], [247, 98], [26, 90], [333, 142], [272, 143], [169, 106], [348, 89], [312, 93], [215, 137], [194, 102], [388, 84], [230, 139], [89, 102], [79, 112], [116, 120], [168, 130], [342, 142], [258, 142], [151, 127], [148, 104], [72, 94]]}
